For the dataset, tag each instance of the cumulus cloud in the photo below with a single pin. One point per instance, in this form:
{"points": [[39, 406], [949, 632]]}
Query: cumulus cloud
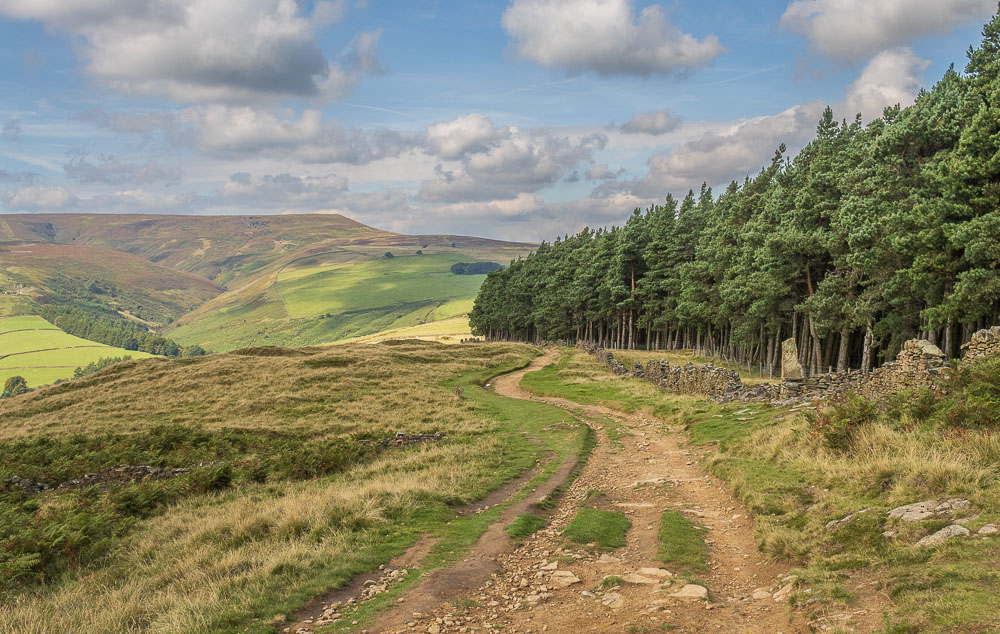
{"points": [[205, 50], [720, 156], [892, 77], [605, 37], [848, 31], [111, 170], [39, 198], [515, 164], [240, 131], [659, 122], [471, 133]]}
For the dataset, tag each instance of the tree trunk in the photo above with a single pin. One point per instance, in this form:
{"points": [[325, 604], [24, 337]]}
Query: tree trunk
{"points": [[866, 357], [845, 338], [947, 339]]}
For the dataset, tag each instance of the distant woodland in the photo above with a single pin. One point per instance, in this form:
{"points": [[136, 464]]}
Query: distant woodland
{"points": [[871, 235]]}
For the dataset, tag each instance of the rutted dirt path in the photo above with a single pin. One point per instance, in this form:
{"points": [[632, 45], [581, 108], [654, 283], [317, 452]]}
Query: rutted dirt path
{"points": [[642, 474]]}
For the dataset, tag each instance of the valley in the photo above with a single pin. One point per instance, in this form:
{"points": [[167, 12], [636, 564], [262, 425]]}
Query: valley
{"points": [[219, 283]]}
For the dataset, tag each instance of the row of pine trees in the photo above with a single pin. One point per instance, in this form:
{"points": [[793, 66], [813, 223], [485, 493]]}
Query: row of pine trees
{"points": [[872, 235]]}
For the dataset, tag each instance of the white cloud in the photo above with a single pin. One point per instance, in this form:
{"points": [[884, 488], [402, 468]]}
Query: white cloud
{"points": [[659, 122], [606, 37], [515, 164], [733, 152], [39, 198], [892, 77], [455, 138], [848, 31], [242, 131], [205, 50]]}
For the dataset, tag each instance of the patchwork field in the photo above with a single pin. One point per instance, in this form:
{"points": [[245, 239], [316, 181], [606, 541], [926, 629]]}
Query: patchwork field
{"points": [[35, 349], [336, 296]]}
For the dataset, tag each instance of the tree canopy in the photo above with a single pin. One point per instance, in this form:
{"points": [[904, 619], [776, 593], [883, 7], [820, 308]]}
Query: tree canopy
{"points": [[871, 235]]}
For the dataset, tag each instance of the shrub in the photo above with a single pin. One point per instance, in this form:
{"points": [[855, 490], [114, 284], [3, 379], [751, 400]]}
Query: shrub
{"points": [[838, 422], [14, 386]]}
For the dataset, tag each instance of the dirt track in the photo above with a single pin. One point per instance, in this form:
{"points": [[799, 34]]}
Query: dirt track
{"points": [[644, 473]]}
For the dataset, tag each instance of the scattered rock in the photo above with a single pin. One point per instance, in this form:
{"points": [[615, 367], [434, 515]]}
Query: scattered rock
{"points": [[923, 510], [943, 535], [564, 578], [782, 594], [608, 559], [552, 566], [989, 529], [760, 594], [613, 600], [691, 591], [656, 572], [639, 579]]}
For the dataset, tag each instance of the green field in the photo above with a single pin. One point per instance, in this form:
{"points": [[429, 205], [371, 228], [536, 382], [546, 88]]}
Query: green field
{"points": [[329, 299], [35, 349]]}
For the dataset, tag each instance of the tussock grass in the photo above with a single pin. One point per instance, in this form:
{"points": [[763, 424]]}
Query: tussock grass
{"points": [[234, 559]]}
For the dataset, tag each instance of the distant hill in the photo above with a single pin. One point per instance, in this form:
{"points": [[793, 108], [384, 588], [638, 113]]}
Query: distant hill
{"points": [[126, 283], [224, 282]]}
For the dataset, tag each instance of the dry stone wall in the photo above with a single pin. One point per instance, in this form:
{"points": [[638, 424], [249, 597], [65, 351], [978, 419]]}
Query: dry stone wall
{"points": [[704, 380], [985, 343], [919, 364]]}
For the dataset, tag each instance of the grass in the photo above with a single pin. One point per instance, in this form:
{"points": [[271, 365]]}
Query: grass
{"points": [[43, 354], [319, 301], [605, 529], [795, 475], [445, 331], [234, 558], [525, 525], [682, 543]]}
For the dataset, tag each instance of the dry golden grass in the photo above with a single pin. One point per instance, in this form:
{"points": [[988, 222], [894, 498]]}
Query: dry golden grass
{"points": [[214, 562], [328, 391]]}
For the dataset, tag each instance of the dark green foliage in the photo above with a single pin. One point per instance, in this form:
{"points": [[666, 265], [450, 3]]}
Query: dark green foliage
{"points": [[972, 401], [975, 397], [474, 268], [100, 364], [838, 423], [872, 235], [104, 326], [388, 254], [14, 386]]}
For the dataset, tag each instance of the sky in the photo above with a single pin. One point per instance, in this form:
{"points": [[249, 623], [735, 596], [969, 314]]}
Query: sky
{"points": [[511, 119]]}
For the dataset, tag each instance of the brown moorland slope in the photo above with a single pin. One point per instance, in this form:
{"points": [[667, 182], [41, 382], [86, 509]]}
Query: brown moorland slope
{"points": [[59, 272]]}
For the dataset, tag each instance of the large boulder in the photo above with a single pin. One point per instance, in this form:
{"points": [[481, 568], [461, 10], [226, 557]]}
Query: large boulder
{"points": [[790, 366]]}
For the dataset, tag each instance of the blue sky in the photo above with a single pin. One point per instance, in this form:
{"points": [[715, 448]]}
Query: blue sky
{"points": [[518, 119]]}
